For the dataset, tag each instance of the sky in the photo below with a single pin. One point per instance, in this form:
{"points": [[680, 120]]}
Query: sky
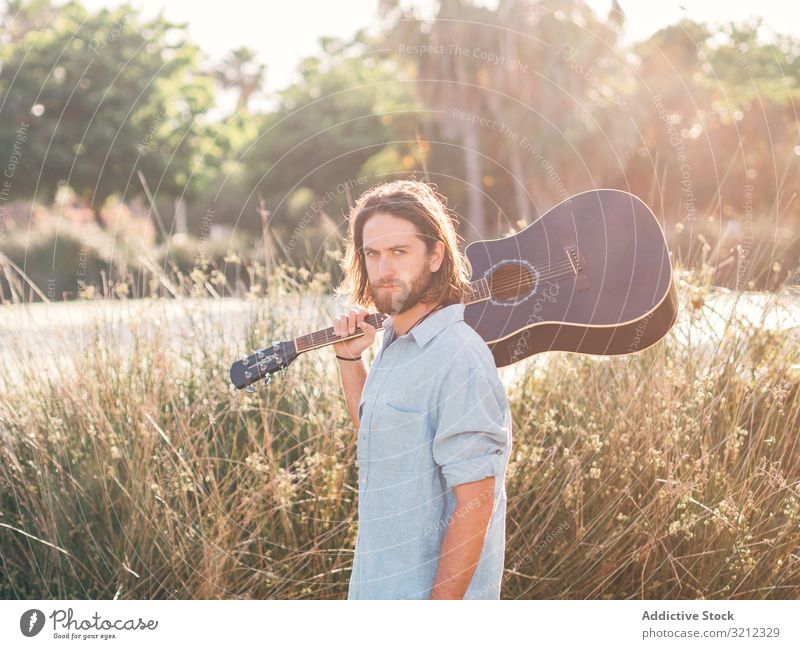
{"points": [[282, 33]]}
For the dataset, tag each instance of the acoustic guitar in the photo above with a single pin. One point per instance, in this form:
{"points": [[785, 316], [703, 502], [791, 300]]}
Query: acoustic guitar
{"points": [[592, 275]]}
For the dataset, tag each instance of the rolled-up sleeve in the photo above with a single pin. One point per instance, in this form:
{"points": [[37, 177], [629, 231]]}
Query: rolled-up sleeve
{"points": [[473, 428]]}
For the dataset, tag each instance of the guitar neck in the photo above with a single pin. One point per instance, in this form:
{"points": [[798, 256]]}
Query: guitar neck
{"points": [[325, 337], [479, 290]]}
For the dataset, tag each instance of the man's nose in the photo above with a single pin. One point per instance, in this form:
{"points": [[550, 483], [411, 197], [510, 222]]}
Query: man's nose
{"points": [[385, 267]]}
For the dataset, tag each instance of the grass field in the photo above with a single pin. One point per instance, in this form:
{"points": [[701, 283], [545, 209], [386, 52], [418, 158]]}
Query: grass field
{"points": [[130, 468]]}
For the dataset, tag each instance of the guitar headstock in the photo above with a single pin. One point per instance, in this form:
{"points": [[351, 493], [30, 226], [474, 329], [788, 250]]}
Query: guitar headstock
{"points": [[263, 364]]}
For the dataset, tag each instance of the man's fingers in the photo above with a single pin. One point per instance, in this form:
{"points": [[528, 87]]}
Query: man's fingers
{"points": [[351, 321], [340, 325], [362, 322]]}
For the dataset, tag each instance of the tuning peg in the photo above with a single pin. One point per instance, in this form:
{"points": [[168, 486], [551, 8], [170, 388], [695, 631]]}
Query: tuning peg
{"points": [[276, 344], [267, 379], [250, 389]]}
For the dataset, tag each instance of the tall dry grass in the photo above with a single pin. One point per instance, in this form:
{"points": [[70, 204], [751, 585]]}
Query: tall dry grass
{"points": [[673, 473]]}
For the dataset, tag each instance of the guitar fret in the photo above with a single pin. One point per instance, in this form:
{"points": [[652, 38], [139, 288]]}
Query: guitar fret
{"points": [[479, 290]]}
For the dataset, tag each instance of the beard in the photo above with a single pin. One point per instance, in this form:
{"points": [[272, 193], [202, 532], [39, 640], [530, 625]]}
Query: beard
{"points": [[394, 301]]}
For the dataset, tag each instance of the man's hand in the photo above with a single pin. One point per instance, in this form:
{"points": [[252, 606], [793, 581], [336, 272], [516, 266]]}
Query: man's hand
{"points": [[347, 325], [463, 541]]}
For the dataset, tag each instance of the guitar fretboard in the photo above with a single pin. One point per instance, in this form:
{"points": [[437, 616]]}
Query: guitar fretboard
{"points": [[479, 290]]}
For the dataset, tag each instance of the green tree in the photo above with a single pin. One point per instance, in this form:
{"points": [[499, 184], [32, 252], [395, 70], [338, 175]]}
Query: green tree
{"points": [[348, 107], [99, 97]]}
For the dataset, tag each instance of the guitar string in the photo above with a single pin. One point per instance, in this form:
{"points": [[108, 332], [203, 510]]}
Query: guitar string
{"points": [[558, 271]]}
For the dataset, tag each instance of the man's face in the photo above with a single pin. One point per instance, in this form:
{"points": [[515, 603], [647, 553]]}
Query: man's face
{"points": [[398, 265]]}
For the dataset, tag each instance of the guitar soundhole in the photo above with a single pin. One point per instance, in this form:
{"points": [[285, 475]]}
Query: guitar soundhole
{"points": [[512, 281]]}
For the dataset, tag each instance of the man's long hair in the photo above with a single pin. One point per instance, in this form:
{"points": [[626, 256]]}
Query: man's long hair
{"points": [[418, 203]]}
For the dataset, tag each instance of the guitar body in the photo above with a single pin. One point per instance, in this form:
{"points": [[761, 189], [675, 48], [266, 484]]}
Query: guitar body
{"points": [[592, 275]]}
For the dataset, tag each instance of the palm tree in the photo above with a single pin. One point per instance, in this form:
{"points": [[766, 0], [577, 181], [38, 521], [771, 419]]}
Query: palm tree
{"points": [[241, 71], [445, 82]]}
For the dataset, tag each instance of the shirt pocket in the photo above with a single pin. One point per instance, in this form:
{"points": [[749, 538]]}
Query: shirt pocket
{"points": [[399, 431]]}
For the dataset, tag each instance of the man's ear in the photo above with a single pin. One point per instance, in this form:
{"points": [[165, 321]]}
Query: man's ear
{"points": [[437, 256]]}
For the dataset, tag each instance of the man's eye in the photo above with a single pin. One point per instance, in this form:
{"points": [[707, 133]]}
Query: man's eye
{"points": [[400, 252]]}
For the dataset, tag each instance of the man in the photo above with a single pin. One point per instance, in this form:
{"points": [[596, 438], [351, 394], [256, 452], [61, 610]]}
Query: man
{"points": [[434, 426]]}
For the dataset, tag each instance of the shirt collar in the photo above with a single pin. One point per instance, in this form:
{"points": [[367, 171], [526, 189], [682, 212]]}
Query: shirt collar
{"points": [[433, 324]]}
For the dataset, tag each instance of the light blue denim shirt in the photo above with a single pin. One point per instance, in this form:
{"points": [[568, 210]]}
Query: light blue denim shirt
{"points": [[433, 415]]}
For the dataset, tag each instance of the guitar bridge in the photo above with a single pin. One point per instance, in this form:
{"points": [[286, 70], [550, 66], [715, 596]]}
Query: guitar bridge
{"points": [[578, 263]]}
